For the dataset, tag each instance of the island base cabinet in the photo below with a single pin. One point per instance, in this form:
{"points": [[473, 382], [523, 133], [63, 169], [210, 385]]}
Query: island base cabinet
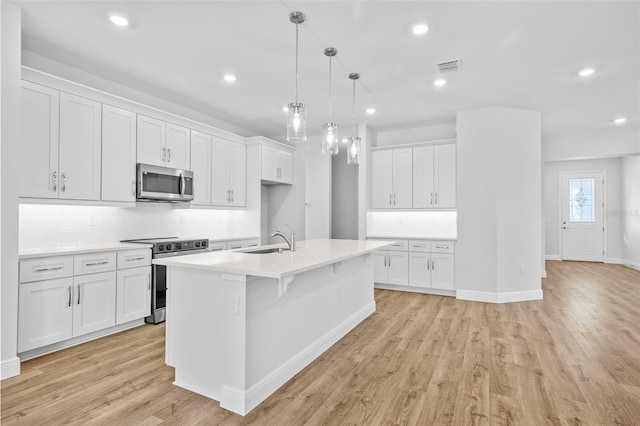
{"points": [[45, 313], [133, 294], [95, 297]]}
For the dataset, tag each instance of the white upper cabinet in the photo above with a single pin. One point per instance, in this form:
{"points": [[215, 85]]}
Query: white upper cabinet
{"points": [[80, 153], [39, 141], [434, 176], [163, 144], [276, 165], [228, 173], [391, 172], [118, 154], [178, 147], [201, 167]]}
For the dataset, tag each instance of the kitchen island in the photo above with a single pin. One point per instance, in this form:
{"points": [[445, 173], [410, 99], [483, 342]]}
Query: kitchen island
{"points": [[240, 325]]}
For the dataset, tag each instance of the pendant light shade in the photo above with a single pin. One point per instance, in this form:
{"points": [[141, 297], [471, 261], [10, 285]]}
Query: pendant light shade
{"points": [[297, 116], [330, 140], [353, 149]]}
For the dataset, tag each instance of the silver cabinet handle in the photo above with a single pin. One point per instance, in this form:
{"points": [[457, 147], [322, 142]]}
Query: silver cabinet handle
{"points": [[232, 197], [385, 260], [389, 260], [436, 198], [164, 154], [134, 259], [228, 195], [57, 268], [431, 202], [149, 279], [64, 181], [78, 294], [169, 151], [433, 265], [394, 199], [428, 265], [133, 187], [390, 199], [69, 303], [55, 181], [104, 262]]}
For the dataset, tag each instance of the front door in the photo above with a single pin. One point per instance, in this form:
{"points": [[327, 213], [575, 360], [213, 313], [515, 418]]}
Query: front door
{"points": [[582, 210]]}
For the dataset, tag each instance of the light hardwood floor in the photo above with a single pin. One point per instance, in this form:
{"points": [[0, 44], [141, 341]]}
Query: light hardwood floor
{"points": [[573, 358]]}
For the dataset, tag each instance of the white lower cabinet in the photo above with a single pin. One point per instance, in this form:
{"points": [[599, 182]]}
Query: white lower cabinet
{"points": [[93, 307], [81, 294], [431, 270], [390, 267], [133, 294]]}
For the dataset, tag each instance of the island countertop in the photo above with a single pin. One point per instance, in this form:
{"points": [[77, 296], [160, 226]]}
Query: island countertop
{"points": [[309, 254]]}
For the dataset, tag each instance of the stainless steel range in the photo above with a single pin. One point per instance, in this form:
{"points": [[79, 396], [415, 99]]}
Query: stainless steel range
{"points": [[166, 247]]}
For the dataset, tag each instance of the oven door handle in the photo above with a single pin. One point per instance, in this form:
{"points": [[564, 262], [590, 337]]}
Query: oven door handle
{"points": [[182, 185]]}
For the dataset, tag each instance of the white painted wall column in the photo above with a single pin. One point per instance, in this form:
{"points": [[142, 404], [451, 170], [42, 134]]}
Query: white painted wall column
{"points": [[499, 205], [364, 178], [631, 211], [10, 18]]}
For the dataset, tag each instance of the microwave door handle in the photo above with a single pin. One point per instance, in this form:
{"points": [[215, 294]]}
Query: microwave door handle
{"points": [[182, 185]]}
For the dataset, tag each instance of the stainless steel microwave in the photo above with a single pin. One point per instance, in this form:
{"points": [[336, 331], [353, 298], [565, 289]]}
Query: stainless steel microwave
{"points": [[163, 183]]}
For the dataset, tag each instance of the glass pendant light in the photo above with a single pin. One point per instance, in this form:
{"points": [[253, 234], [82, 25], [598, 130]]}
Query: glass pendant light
{"points": [[330, 139], [353, 149], [297, 117]]}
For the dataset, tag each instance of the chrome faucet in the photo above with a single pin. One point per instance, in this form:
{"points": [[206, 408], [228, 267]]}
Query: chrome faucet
{"points": [[291, 242]]}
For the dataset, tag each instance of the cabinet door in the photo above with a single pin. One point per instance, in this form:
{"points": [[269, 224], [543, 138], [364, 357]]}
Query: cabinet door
{"points": [[380, 266], [118, 154], [220, 191], [269, 164], [39, 141], [133, 292], [151, 147], [382, 179], [201, 168], [398, 267], [423, 196], [238, 174], [94, 304], [178, 147], [80, 153], [44, 313], [442, 271], [285, 167], [402, 178], [445, 176], [419, 269]]}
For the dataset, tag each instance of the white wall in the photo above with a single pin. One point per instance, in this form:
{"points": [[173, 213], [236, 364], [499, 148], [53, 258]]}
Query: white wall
{"points": [[344, 194], [613, 203], [499, 204], [631, 211], [418, 132], [58, 225], [612, 141], [10, 27], [368, 139], [318, 178]]}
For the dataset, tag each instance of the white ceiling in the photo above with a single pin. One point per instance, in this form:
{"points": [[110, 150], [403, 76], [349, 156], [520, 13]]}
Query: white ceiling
{"points": [[517, 54]]}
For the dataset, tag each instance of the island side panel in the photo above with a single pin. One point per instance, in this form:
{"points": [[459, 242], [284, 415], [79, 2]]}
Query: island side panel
{"points": [[195, 329], [286, 334]]}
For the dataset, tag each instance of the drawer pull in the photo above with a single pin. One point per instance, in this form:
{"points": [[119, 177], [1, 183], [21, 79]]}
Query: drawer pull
{"points": [[441, 247], [134, 259], [420, 245], [104, 262], [56, 268]]}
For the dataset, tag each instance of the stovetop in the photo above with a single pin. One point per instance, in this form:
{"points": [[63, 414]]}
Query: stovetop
{"points": [[165, 245]]}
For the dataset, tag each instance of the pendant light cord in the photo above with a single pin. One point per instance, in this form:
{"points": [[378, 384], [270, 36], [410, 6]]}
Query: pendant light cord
{"points": [[353, 116], [330, 109], [296, 63]]}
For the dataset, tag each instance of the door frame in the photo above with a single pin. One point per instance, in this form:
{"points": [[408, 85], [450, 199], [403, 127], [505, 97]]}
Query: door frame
{"points": [[604, 203]]}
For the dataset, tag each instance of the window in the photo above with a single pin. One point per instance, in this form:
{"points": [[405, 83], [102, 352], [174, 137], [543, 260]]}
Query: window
{"points": [[581, 200]]}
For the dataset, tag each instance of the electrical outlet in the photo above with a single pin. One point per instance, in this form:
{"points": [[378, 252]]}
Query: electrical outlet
{"points": [[235, 301]]}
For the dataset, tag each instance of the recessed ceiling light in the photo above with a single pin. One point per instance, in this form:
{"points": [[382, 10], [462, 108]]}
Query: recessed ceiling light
{"points": [[420, 29], [230, 78], [371, 110], [345, 140], [440, 82], [119, 20], [586, 72], [620, 120], [285, 109]]}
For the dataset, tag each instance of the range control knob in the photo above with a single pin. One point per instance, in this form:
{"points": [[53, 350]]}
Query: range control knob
{"points": [[169, 247], [197, 243], [161, 247]]}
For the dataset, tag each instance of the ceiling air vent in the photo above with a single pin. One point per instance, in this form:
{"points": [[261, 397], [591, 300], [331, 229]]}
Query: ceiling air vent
{"points": [[450, 65]]}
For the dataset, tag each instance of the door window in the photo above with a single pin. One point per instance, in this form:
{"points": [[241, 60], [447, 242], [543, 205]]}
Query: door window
{"points": [[581, 200]]}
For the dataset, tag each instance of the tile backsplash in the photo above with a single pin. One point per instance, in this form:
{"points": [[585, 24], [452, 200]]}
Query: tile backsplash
{"points": [[57, 225], [417, 224]]}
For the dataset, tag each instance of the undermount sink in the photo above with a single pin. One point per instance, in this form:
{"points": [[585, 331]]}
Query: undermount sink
{"points": [[266, 251]]}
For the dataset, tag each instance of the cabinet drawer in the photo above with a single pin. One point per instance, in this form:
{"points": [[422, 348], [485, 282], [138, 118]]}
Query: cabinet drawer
{"points": [[420, 245], [46, 268], [218, 246], [94, 262], [134, 258], [441, 246], [399, 245]]}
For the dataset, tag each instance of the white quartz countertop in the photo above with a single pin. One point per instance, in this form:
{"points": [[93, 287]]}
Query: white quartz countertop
{"points": [[218, 239], [309, 254], [80, 248], [397, 237]]}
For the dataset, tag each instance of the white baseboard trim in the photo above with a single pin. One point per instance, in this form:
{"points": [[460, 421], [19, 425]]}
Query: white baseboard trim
{"points": [[9, 368], [422, 290], [544, 273], [630, 264], [613, 260], [487, 297], [242, 402], [552, 257]]}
